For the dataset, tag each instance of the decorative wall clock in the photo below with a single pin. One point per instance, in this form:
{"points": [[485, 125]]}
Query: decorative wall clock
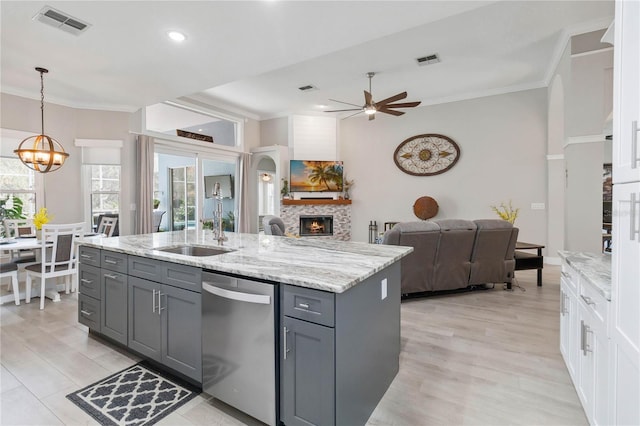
{"points": [[426, 155]]}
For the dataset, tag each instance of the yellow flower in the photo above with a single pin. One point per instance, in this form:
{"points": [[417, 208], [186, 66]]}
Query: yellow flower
{"points": [[506, 212], [41, 218]]}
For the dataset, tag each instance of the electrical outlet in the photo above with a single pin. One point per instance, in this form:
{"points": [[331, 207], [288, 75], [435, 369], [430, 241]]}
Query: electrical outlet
{"points": [[537, 206], [383, 289]]}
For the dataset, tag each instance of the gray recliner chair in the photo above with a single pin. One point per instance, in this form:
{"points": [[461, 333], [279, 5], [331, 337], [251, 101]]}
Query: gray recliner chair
{"points": [[453, 261], [273, 225], [492, 260], [417, 267]]}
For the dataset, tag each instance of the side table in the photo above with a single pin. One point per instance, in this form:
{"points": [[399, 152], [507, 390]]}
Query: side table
{"points": [[529, 260]]}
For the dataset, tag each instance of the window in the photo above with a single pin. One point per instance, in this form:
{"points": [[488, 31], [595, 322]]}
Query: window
{"points": [[17, 186], [105, 190]]}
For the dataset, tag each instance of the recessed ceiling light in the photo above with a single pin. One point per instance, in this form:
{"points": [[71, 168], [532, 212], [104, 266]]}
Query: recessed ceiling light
{"points": [[322, 106], [176, 36], [199, 130]]}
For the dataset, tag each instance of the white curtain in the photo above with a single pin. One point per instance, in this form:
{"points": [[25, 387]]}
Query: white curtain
{"points": [[243, 207], [144, 213]]}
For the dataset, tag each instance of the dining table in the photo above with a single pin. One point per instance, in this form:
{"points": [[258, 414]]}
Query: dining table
{"points": [[32, 243]]}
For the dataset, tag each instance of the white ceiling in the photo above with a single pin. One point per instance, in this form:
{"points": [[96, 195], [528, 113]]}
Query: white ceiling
{"points": [[253, 55]]}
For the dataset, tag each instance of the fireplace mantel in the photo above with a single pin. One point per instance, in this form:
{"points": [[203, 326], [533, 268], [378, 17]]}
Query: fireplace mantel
{"points": [[316, 201]]}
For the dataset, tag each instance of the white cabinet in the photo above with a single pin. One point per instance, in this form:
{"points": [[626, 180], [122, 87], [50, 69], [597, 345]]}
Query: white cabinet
{"points": [[568, 324], [593, 344], [624, 328], [584, 343], [626, 87], [625, 304]]}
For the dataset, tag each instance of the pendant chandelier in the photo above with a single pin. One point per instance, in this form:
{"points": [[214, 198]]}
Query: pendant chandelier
{"points": [[41, 153]]}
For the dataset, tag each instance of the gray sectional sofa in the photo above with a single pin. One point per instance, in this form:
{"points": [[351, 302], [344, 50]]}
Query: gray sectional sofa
{"points": [[451, 254]]}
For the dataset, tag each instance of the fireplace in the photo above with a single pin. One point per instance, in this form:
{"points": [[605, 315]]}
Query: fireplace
{"points": [[314, 225]]}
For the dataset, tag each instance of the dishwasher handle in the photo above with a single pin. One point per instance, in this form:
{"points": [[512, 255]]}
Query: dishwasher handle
{"points": [[262, 299]]}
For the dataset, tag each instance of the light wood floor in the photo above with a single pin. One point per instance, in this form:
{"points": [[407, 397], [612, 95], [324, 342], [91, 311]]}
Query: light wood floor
{"points": [[483, 358]]}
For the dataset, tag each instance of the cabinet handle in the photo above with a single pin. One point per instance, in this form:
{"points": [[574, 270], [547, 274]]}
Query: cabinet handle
{"points": [[153, 300], [86, 281], [632, 217], [584, 345], [111, 276], [304, 305], [286, 349], [564, 274], [86, 256], [111, 262], [160, 308], [634, 144], [587, 300], [87, 313]]}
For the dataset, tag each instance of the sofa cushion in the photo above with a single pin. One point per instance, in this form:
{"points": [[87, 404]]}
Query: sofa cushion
{"points": [[453, 260], [492, 260], [417, 267]]}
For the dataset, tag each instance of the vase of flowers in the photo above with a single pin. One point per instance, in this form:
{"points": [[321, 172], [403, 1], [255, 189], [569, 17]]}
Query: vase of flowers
{"points": [[39, 219], [506, 212]]}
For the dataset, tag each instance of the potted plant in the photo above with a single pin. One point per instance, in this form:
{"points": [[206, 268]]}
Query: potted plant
{"points": [[285, 189]]}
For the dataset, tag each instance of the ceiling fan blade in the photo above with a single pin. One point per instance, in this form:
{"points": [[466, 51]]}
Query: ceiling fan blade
{"points": [[372, 117], [391, 111], [343, 110], [402, 105], [348, 116], [346, 103], [367, 98], [393, 98]]}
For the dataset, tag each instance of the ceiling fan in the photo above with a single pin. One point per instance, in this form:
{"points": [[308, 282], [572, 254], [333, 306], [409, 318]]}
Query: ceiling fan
{"points": [[370, 107]]}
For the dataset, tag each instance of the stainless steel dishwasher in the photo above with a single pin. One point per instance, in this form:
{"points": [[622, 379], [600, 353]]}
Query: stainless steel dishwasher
{"points": [[239, 343]]}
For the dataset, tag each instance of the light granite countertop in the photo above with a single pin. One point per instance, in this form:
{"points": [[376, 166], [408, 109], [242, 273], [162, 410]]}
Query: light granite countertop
{"points": [[595, 268], [328, 265]]}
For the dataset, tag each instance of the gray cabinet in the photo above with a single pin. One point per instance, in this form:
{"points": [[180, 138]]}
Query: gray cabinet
{"points": [[89, 288], [308, 385], [144, 320], [181, 314], [340, 351], [164, 320], [113, 295], [151, 306]]}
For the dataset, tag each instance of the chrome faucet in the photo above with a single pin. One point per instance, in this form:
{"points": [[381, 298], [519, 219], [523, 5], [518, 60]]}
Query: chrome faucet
{"points": [[218, 226]]}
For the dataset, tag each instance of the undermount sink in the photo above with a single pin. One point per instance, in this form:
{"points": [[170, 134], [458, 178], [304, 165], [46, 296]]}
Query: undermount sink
{"points": [[200, 251]]}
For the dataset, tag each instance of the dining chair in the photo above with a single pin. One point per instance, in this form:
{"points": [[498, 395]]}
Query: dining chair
{"points": [[107, 226], [20, 228], [10, 270], [58, 258]]}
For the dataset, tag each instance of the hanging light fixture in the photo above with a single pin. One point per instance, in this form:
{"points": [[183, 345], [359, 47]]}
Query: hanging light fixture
{"points": [[266, 177], [41, 153]]}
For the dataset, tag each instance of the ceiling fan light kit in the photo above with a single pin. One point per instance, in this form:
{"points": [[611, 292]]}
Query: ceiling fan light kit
{"points": [[386, 106]]}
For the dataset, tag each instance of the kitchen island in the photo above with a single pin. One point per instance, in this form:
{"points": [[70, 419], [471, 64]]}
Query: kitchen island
{"points": [[335, 337]]}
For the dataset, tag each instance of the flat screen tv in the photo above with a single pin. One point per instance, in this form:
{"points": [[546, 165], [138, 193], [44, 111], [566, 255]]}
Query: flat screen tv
{"points": [[226, 185], [315, 176]]}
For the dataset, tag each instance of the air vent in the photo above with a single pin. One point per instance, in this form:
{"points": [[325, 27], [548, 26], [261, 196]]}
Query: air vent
{"points": [[307, 88], [64, 21], [428, 60]]}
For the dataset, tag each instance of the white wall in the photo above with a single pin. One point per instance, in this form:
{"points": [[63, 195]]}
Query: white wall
{"points": [[558, 92], [584, 197], [63, 194], [503, 156], [274, 132], [591, 96]]}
